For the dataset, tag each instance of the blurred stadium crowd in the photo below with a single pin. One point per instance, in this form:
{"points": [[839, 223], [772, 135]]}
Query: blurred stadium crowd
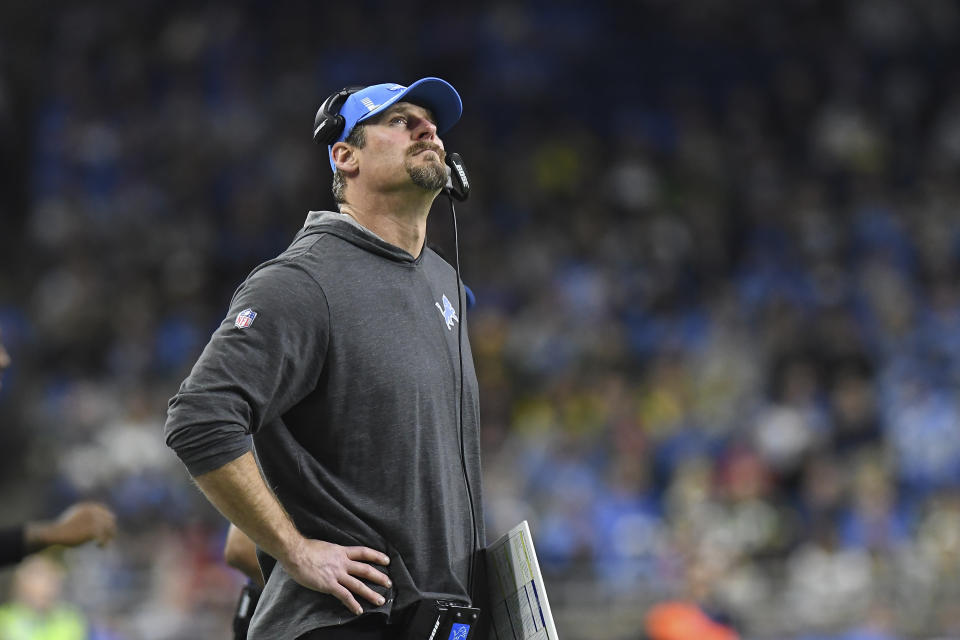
{"points": [[716, 253]]}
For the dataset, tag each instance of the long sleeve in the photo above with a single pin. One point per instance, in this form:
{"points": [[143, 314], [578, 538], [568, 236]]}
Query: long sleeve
{"points": [[13, 546], [264, 358]]}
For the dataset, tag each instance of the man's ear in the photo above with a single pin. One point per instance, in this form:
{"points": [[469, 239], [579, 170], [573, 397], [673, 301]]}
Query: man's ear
{"points": [[344, 157]]}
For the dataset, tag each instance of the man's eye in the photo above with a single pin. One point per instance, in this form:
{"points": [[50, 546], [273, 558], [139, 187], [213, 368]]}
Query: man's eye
{"points": [[398, 119]]}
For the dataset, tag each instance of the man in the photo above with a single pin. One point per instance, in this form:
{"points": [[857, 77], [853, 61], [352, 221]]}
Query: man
{"points": [[344, 359], [80, 523]]}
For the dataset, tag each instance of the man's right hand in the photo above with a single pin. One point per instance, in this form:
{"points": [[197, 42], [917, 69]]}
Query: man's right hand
{"points": [[331, 568]]}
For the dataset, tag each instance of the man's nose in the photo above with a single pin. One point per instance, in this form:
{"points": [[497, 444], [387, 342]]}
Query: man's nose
{"points": [[426, 130]]}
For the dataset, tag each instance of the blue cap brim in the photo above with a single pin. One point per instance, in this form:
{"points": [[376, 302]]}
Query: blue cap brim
{"points": [[434, 94]]}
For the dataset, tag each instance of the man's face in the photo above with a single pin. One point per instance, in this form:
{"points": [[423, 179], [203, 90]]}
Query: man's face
{"points": [[402, 147], [4, 359]]}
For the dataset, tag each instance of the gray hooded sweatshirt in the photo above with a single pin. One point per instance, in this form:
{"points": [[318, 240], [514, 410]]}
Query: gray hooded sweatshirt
{"points": [[340, 358]]}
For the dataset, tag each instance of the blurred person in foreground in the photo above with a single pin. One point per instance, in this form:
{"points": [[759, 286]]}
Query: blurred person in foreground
{"points": [[240, 552], [342, 358], [78, 524], [36, 611]]}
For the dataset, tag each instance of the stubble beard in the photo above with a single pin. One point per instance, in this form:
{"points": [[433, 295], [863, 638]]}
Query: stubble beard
{"points": [[430, 176]]}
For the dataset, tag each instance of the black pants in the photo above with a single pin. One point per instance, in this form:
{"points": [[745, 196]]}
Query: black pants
{"points": [[364, 628]]}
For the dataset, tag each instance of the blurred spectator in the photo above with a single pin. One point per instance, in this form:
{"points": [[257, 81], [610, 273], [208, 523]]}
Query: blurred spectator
{"points": [[853, 408], [37, 611], [683, 621], [874, 520], [80, 523], [240, 552]]}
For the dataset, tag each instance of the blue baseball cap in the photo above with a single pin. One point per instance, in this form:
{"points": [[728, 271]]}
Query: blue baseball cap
{"points": [[432, 93]]}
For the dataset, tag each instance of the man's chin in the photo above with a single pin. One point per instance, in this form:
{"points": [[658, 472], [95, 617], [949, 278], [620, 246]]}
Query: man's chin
{"points": [[428, 157], [430, 176]]}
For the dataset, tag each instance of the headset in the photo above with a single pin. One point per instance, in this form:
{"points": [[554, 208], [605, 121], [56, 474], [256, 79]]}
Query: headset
{"points": [[458, 188], [328, 123], [458, 184]]}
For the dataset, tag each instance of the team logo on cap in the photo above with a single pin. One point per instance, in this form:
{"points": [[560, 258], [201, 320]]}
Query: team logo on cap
{"points": [[245, 318], [396, 87], [369, 104]]}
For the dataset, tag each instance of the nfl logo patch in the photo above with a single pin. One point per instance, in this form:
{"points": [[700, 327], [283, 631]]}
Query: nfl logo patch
{"points": [[245, 318]]}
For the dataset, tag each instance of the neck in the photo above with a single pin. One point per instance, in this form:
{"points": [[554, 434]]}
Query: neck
{"points": [[401, 221]]}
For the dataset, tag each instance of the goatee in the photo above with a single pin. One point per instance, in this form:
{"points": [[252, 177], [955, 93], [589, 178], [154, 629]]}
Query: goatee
{"points": [[431, 176]]}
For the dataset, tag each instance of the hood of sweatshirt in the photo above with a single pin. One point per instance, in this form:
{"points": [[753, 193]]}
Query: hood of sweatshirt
{"points": [[347, 228]]}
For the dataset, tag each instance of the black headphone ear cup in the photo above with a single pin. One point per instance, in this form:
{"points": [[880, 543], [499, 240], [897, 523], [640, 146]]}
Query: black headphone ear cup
{"points": [[328, 123], [327, 128]]}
